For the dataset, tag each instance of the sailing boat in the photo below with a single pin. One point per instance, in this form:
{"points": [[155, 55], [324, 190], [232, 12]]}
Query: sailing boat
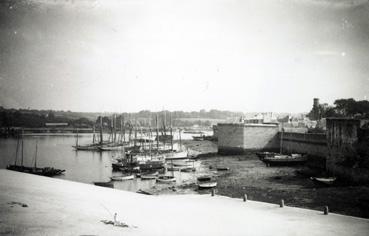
{"points": [[175, 154], [45, 171], [284, 159], [94, 146]]}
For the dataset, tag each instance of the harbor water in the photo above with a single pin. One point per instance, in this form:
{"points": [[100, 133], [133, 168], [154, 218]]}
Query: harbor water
{"points": [[55, 150]]}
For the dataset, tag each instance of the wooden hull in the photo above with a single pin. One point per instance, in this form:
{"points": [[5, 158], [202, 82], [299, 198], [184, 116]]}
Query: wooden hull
{"points": [[207, 185], [148, 177], [324, 181], [176, 155], [46, 171], [122, 178], [263, 155], [166, 179], [285, 160], [188, 169], [104, 184]]}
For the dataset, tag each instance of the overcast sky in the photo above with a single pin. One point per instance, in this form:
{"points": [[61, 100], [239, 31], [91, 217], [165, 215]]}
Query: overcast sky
{"points": [[130, 55]]}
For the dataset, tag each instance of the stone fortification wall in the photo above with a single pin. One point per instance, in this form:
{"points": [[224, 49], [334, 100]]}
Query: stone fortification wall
{"points": [[312, 144], [258, 137], [239, 138]]}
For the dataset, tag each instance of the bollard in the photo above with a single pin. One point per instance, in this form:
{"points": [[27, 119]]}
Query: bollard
{"points": [[282, 203], [245, 197], [326, 210], [212, 192]]}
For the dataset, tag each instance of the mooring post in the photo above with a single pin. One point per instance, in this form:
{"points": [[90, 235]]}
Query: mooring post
{"points": [[326, 210], [212, 192], [245, 197], [282, 203]]}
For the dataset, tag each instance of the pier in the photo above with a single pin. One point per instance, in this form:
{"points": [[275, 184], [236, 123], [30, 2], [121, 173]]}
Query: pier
{"points": [[35, 205]]}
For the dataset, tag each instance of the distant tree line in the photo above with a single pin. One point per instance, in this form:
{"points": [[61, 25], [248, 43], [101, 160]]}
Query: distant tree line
{"points": [[342, 108], [39, 118]]}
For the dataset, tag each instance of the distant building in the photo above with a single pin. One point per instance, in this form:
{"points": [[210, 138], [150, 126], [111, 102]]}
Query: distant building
{"points": [[262, 118]]}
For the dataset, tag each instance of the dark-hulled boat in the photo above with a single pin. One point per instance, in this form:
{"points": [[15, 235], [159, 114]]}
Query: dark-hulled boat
{"points": [[285, 160]]}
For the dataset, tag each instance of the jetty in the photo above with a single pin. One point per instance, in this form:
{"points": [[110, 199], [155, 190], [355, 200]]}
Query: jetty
{"points": [[37, 205]]}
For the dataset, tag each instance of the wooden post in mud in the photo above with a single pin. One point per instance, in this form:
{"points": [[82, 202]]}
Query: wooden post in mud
{"points": [[326, 210], [245, 197], [282, 203], [212, 192]]}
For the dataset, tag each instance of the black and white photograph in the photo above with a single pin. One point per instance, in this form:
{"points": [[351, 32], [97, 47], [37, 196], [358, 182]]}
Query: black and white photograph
{"points": [[184, 117]]}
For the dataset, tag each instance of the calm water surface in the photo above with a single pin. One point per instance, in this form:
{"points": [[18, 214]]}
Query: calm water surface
{"points": [[81, 166]]}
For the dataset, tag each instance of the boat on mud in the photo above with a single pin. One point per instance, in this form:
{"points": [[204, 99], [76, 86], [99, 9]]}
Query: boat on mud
{"points": [[327, 181], [166, 179], [105, 184], [262, 155], [285, 160], [206, 182]]}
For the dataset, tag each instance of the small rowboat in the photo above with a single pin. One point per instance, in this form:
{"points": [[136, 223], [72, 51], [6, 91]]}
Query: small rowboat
{"points": [[166, 179], [104, 184], [222, 168], [123, 177], [325, 181], [188, 169], [206, 182], [173, 169], [147, 176]]}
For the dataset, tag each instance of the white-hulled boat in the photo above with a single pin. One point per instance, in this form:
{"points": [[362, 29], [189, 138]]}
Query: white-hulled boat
{"points": [[206, 182], [176, 155], [166, 179], [122, 177], [147, 176], [325, 181]]}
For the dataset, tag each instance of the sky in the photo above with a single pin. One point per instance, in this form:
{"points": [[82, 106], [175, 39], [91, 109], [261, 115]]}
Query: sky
{"points": [[132, 55]]}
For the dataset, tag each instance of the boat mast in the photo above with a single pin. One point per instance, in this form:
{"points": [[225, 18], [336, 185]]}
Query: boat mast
{"points": [[135, 135], [180, 140], [281, 143], [22, 150], [101, 130], [157, 132], [93, 135], [16, 152], [115, 127], [124, 129], [35, 167], [77, 138], [171, 132], [165, 131]]}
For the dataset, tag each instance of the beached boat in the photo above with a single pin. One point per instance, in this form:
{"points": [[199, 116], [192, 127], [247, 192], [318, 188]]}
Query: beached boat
{"points": [[206, 182], [222, 168], [188, 169], [198, 138], [148, 177], [172, 168], [262, 155], [176, 155], [324, 180], [285, 160], [104, 184], [122, 177], [166, 179]]}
